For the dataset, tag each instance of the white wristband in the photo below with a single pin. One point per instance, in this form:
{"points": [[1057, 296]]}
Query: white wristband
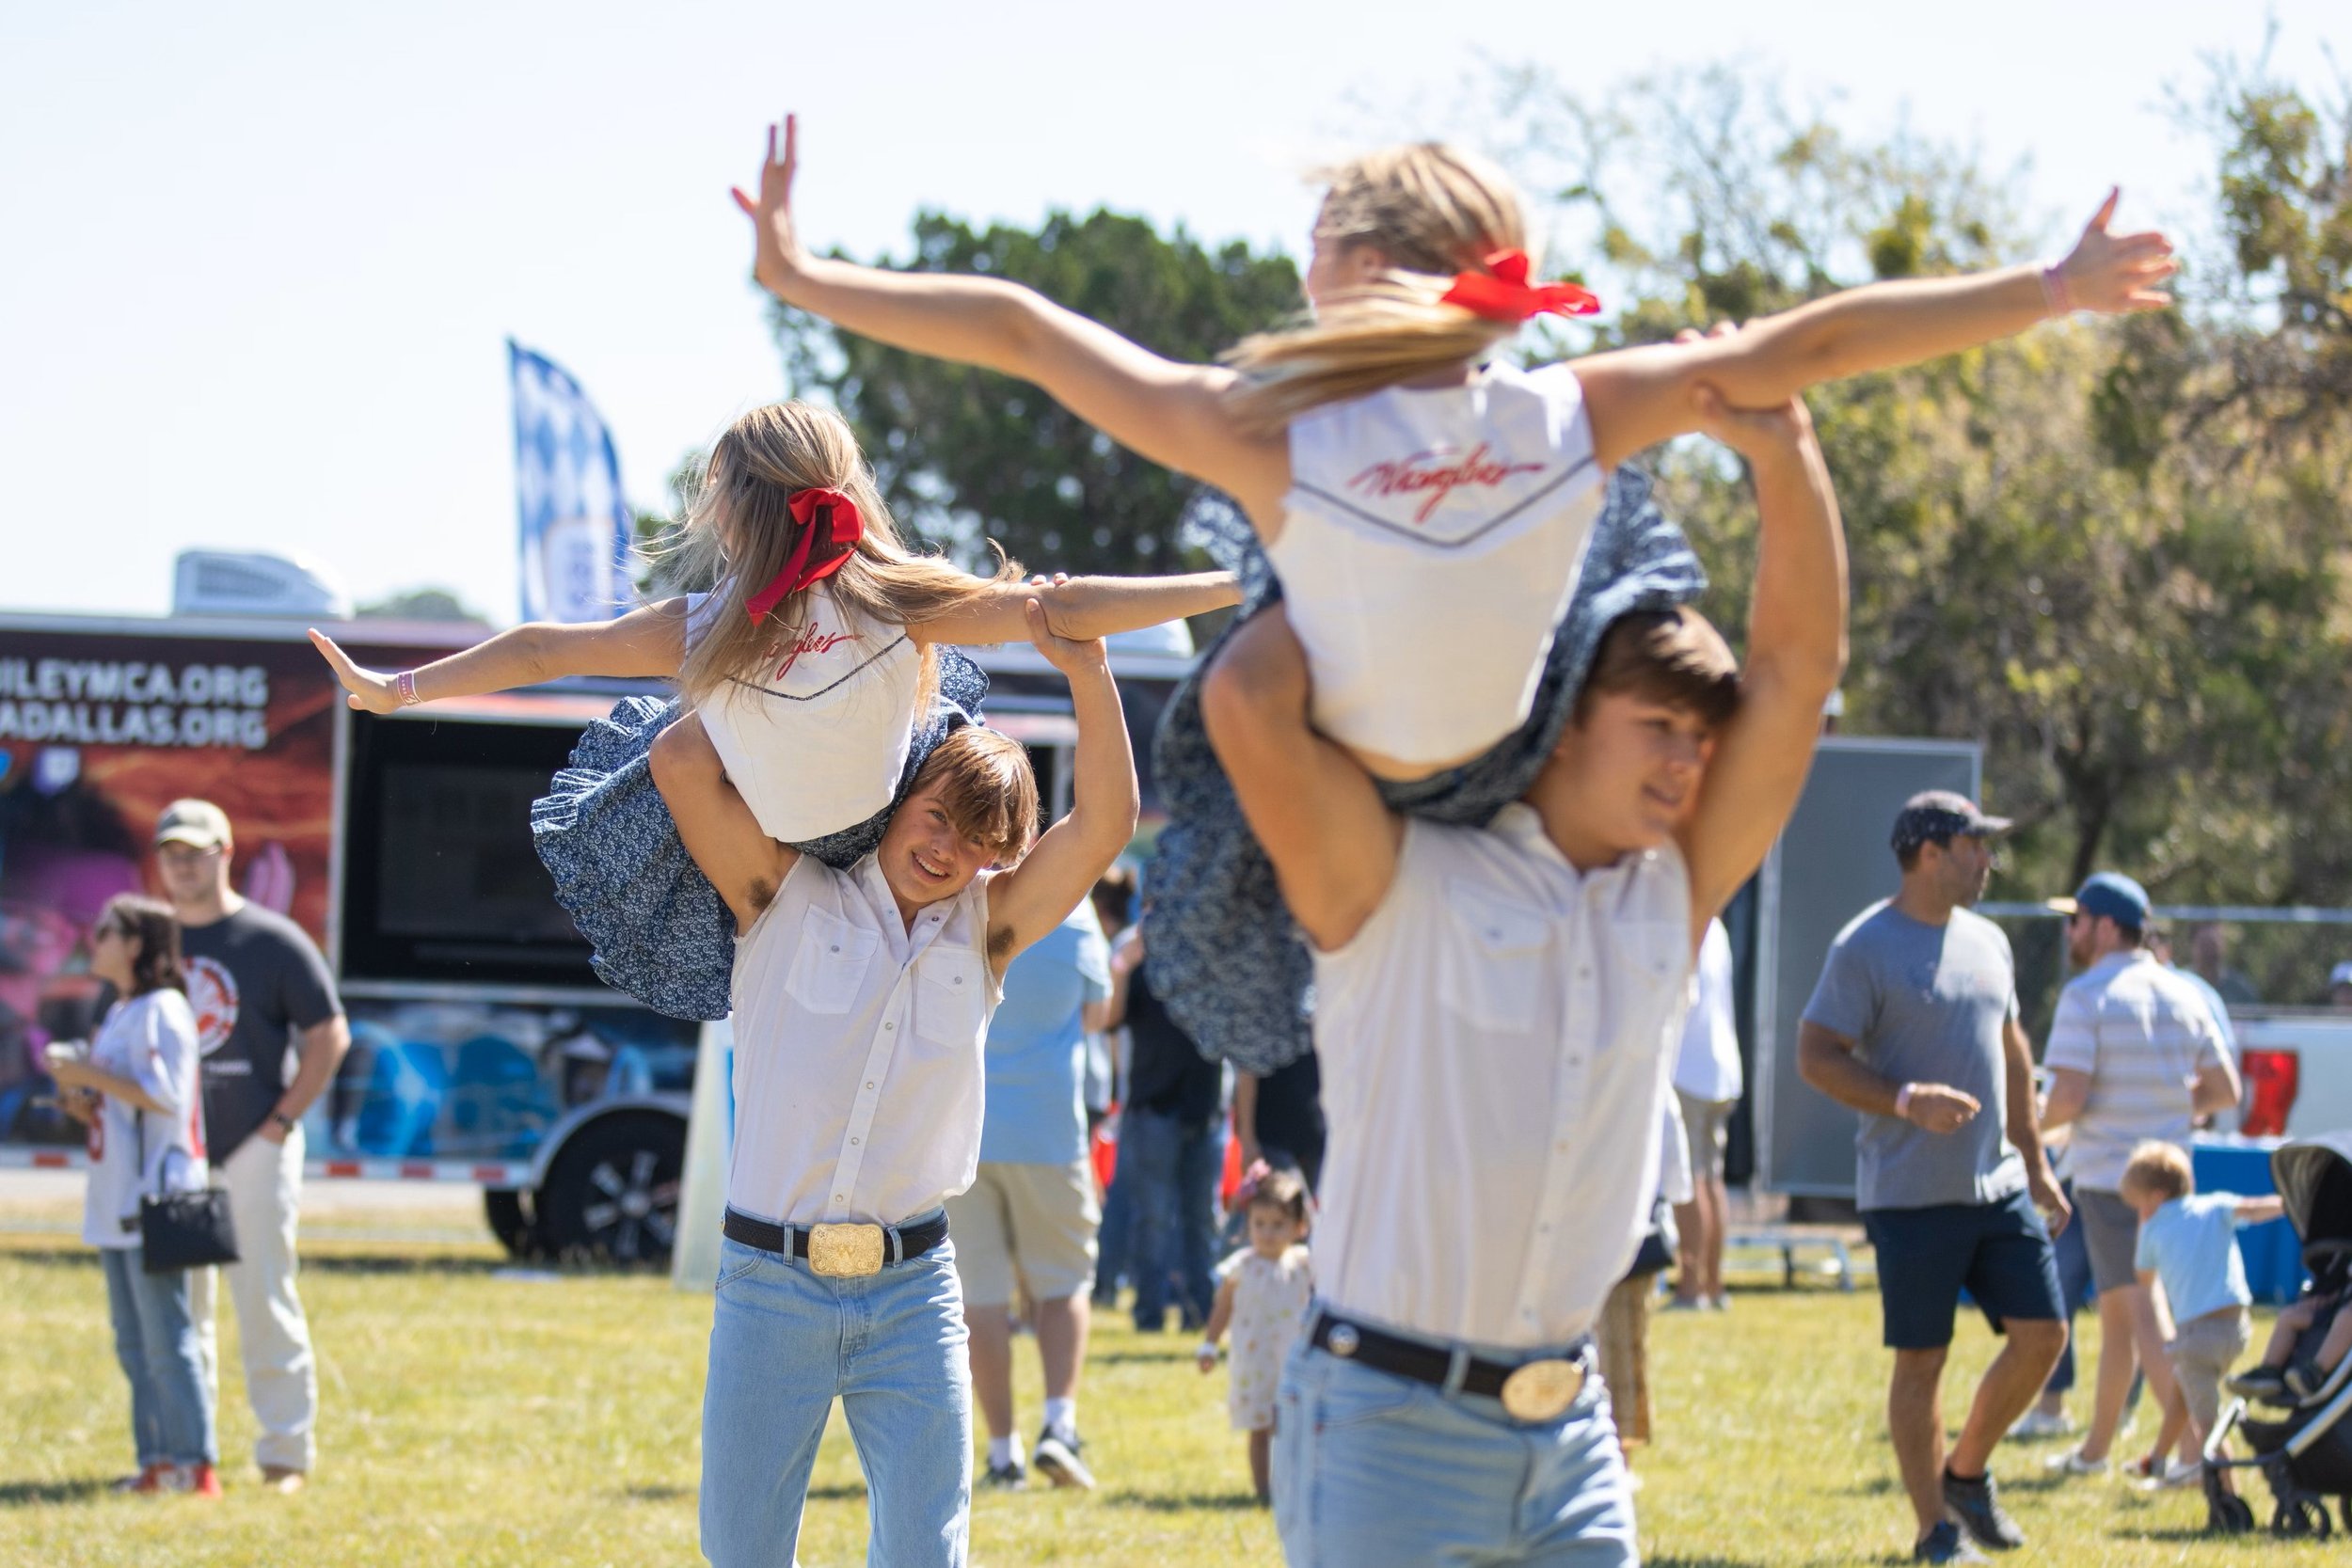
{"points": [[1902, 1101], [1207, 1351]]}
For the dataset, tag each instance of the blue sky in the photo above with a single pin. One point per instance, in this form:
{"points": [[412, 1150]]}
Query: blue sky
{"points": [[261, 258]]}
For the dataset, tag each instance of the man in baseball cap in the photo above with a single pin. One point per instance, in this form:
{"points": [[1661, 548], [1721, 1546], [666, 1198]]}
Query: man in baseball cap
{"points": [[258, 983], [2134, 1053], [1914, 1024], [1939, 817], [2103, 895], [197, 824]]}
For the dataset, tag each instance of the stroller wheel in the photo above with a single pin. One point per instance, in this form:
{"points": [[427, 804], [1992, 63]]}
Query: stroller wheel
{"points": [[2301, 1513], [2228, 1515]]}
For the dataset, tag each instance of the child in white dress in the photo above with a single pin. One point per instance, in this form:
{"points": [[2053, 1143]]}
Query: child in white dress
{"points": [[1262, 1295]]}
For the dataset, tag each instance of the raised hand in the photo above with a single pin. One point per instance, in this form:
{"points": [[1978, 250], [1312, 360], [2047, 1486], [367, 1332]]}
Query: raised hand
{"points": [[2117, 274], [370, 691], [777, 254], [1755, 434], [1075, 659]]}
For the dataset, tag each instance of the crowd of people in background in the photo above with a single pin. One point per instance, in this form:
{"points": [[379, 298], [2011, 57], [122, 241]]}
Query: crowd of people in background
{"points": [[1966, 1180]]}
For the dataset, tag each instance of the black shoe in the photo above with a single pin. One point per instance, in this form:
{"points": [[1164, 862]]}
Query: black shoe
{"points": [[1945, 1543], [1008, 1477], [1978, 1508], [2263, 1385], [1057, 1459]]}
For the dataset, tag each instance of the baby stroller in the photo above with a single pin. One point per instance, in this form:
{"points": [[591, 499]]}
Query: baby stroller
{"points": [[2306, 1455]]}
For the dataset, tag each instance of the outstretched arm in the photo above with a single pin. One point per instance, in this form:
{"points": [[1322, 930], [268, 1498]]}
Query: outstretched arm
{"points": [[1080, 610], [649, 641], [1173, 414], [1333, 841], [1037, 894], [1796, 654], [1641, 396]]}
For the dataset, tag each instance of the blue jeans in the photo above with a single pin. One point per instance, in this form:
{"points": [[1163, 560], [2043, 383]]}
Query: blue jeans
{"points": [[161, 1352], [784, 1343], [1172, 1234], [1377, 1471], [1111, 1240]]}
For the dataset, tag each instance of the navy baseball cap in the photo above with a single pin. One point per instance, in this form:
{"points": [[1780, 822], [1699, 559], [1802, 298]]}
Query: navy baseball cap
{"points": [[2110, 894], [1940, 816]]}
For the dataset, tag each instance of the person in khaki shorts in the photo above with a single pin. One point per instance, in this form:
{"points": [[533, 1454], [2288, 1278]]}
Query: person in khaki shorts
{"points": [[1027, 1228]]}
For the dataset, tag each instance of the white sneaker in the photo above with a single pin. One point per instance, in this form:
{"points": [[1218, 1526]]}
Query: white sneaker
{"points": [[2072, 1463], [2043, 1423]]}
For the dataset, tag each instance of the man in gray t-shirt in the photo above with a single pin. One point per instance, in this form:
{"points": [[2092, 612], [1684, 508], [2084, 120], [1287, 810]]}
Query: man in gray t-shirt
{"points": [[1928, 1006], [1913, 1024]]}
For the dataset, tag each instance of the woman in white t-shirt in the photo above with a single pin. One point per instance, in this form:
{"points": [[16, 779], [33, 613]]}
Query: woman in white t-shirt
{"points": [[137, 1092]]}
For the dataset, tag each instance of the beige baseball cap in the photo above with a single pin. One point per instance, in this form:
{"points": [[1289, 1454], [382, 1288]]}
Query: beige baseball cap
{"points": [[197, 823]]}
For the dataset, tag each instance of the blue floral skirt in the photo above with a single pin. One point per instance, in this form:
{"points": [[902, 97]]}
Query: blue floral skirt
{"points": [[1230, 964], [655, 926]]}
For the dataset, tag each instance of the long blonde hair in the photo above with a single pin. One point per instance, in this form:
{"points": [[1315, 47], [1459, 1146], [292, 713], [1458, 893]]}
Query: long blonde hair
{"points": [[738, 533], [1432, 211]]}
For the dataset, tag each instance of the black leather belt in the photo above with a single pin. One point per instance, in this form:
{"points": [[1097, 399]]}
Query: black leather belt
{"points": [[897, 1242], [1529, 1390]]}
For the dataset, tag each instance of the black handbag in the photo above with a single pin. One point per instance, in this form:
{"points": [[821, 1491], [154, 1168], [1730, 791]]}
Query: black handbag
{"points": [[1657, 1249], [182, 1230]]}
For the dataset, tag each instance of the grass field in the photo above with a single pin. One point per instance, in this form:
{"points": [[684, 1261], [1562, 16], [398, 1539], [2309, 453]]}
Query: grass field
{"points": [[470, 1418]]}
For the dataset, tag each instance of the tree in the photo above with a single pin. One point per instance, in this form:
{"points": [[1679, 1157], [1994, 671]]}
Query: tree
{"points": [[419, 604], [2118, 553], [966, 455]]}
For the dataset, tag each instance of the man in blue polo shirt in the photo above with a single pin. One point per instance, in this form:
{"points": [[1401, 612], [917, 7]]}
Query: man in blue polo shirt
{"points": [[1914, 1023], [1031, 1217]]}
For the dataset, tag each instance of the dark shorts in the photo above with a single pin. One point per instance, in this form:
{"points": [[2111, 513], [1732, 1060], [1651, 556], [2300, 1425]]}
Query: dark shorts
{"points": [[1998, 1252]]}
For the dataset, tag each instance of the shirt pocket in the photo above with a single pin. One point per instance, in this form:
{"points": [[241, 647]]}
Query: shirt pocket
{"points": [[950, 997], [1655, 952], [829, 968], [1492, 962]]}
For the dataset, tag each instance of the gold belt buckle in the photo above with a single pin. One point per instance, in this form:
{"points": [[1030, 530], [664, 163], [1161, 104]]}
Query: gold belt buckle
{"points": [[1540, 1390], [845, 1251]]}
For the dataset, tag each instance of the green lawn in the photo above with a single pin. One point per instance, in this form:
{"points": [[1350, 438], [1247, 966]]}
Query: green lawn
{"points": [[473, 1420]]}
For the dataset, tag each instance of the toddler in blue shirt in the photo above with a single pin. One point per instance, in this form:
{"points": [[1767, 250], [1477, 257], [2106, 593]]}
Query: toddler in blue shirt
{"points": [[2188, 1241]]}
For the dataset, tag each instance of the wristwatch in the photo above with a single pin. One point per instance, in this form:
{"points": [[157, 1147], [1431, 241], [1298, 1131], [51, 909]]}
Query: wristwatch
{"points": [[285, 1123]]}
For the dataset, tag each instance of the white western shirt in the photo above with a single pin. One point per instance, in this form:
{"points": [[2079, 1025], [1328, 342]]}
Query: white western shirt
{"points": [[1496, 1046], [858, 1050]]}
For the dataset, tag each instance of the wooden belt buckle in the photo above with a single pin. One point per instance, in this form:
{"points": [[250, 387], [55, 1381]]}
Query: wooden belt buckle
{"points": [[1540, 1390], [845, 1251]]}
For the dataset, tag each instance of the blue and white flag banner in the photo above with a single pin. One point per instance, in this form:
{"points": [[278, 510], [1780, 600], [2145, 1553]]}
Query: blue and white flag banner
{"points": [[573, 519]]}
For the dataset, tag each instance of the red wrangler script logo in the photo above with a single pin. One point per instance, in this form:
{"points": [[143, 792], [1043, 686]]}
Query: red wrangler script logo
{"points": [[1438, 480], [810, 641]]}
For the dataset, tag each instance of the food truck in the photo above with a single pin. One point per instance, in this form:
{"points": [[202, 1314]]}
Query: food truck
{"points": [[484, 1049]]}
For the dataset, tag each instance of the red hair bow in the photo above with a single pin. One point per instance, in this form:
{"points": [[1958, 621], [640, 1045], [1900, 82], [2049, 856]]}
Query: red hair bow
{"points": [[828, 514], [1503, 293]]}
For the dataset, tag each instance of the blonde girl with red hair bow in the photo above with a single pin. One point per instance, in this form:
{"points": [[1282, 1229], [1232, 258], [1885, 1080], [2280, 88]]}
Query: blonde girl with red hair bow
{"points": [[813, 680], [1425, 509]]}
